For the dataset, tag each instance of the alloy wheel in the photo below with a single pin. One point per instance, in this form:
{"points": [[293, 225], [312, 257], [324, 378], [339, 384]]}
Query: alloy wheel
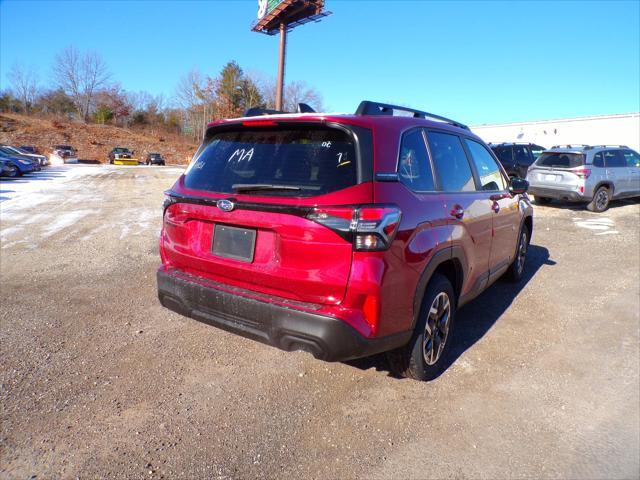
{"points": [[436, 328]]}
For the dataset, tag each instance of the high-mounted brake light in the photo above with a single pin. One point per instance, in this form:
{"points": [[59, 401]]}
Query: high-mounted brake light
{"points": [[370, 228], [259, 123]]}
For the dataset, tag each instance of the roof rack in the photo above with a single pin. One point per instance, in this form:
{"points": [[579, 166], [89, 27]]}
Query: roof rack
{"points": [[367, 107], [610, 146], [257, 111], [570, 145], [511, 143]]}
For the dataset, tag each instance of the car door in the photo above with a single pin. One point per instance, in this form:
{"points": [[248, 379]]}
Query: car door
{"points": [[523, 159], [470, 214], [616, 171], [633, 169], [505, 155], [506, 216]]}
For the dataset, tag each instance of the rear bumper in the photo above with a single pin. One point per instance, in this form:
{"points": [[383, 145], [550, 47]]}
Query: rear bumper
{"points": [[557, 194], [326, 338]]}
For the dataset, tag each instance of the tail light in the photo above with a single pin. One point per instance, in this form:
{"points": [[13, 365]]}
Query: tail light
{"points": [[583, 173], [370, 228]]}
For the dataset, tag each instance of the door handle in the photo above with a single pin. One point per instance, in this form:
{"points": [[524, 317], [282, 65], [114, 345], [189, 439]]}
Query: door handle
{"points": [[499, 196], [457, 212]]}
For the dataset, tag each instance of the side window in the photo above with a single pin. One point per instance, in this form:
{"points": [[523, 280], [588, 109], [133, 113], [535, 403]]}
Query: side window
{"points": [[414, 169], [450, 162], [504, 155], [487, 168], [632, 158], [521, 154], [598, 160], [614, 159]]}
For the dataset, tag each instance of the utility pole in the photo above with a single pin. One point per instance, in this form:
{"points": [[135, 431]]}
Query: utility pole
{"points": [[281, 62], [278, 16]]}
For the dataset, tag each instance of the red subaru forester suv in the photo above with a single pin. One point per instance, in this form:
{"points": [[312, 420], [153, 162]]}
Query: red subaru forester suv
{"points": [[341, 235]]}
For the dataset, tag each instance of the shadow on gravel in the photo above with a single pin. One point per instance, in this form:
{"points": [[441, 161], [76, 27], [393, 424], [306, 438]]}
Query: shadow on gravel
{"points": [[477, 317]]}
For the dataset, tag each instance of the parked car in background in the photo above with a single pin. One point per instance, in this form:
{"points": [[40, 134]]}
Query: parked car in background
{"points": [[516, 158], [41, 159], [122, 156], [29, 148], [342, 235], [8, 169], [582, 173], [64, 154], [153, 159], [9, 152], [23, 165]]}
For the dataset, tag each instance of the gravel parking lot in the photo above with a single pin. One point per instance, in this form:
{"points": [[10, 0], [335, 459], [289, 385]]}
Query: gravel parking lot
{"points": [[98, 380]]}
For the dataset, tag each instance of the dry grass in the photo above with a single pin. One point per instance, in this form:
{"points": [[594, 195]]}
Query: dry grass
{"points": [[92, 142]]}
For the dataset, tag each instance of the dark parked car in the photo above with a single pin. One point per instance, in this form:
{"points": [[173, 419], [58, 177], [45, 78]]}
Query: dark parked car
{"points": [[29, 149], [8, 169], [153, 159], [22, 160], [516, 158], [342, 235], [34, 157], [22, 165]]}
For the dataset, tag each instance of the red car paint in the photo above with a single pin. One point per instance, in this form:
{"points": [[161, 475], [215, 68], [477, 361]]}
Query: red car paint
{"points": [[304, 265]]}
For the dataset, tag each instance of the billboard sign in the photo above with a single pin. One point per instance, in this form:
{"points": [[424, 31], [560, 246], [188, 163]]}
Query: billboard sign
{"points": [[266, 6]]}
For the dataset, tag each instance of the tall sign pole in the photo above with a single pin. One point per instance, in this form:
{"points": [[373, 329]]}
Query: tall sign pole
{"points": [[281, 16], [281, 61]]}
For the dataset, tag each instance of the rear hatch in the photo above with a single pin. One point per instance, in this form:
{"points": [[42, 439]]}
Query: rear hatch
{"points": [[246, 212], [558, 170]]}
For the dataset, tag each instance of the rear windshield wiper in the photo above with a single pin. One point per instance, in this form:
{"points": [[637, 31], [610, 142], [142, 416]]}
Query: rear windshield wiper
{"points": [[249, 187]]}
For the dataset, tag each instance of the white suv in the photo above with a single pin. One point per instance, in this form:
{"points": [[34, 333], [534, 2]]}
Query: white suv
{"points": [[583, 173]]}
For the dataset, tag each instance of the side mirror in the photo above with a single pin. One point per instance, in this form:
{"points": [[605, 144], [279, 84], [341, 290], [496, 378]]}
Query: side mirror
{"points": [[518, 186]]}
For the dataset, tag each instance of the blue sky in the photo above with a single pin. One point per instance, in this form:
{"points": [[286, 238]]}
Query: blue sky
{"points": [[479, 62]]}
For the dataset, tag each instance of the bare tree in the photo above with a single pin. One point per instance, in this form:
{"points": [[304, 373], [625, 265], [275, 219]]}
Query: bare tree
{"points": [[24, 84], [80, 76], [294, 93]]}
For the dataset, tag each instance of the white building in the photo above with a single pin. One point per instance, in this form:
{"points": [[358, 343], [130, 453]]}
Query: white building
{"points": [[620, 129]]}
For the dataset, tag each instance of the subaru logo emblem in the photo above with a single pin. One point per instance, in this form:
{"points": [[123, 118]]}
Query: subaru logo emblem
{"points": [[225, 205]]}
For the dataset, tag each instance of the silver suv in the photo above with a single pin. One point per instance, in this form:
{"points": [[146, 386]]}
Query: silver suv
{"points": [[583, 173]]}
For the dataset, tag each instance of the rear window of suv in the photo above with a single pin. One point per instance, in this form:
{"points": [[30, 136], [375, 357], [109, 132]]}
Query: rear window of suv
{"points": [[560, 160], [292, 160]]}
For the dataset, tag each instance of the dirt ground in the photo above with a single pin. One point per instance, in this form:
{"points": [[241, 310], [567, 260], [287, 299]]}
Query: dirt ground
{"points": [[99, 381]]}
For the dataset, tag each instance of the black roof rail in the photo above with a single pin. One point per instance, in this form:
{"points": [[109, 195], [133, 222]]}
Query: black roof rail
{"points": [[367, 107], [257, 111]]}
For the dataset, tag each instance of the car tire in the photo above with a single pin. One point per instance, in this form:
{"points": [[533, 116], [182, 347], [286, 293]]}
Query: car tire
{"points": [[541, 200], [416, 360], [600, 201], [517, 267]]}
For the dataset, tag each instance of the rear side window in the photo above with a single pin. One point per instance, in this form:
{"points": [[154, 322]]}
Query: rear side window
{"points": [[598, 160], [486, 166], [450, 162], [503, 154], [295, 161], [561, 160], [632, 158], [614, 158], [521, 155], [414, 169]]}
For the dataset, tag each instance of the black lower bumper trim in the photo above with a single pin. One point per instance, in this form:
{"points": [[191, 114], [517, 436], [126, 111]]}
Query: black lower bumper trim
{"points": [[557, 194], [326, 338]]}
